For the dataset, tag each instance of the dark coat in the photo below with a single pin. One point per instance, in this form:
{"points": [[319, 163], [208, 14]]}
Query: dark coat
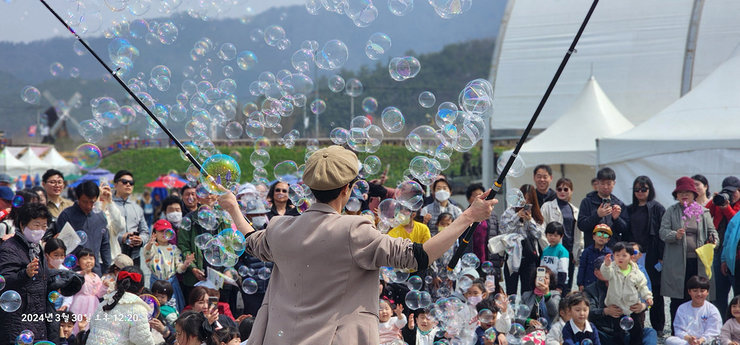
{"points": [[650, 240], [96, 227], [588, 219], [596, 292]]}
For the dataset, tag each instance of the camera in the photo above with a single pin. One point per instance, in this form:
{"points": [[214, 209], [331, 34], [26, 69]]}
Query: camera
{"points": [[723, 198]]}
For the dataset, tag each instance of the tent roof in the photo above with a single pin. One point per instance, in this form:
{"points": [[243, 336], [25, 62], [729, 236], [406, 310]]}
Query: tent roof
{"points": [[11, 165], [705, 118], [33, 163], [571, 139], [55, 160]]}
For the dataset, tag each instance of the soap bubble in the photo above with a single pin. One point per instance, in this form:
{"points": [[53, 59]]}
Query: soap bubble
{"points": [[30, 95], [517, 168], [587, 342], [410, 194], [18, 201], [392, 119], [339, 135], [285, 170], [220, 169], [424, 169], [56, 69], [400, 7], [515, 198], [264, 273], [169, 234], [10, 301], [202, 240], [543, 323], [371, 165], [273, 34], [83, 237], [470, 260], [246, 60], [405, 67], [353, 88], [87, 156], [427, 99], [318, 106], [249, 286], [626, 323], [485, 316], [91, 131], [415, 283], [336, 83], [234, 130], [153, 304], [227, 52], [167, 32], [259, 158], [388, 209], [369, 105], [207, 218], [447, 9], [186, 224], [54, 296], [333, 55], [24, 338], [487, 267], [70, 261], [2, 282], [377, 45], [476, 97]]}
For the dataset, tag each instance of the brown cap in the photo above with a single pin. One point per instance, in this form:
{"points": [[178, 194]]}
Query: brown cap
{"points": [[330, 168], [123, 260]]}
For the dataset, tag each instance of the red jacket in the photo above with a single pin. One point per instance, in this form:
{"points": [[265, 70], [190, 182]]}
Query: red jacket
{"points": [[722, 212]]}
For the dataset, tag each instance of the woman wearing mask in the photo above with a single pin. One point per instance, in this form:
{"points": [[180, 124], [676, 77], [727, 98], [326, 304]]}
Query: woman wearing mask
{"points": [[441, 191], [172, 212], [527, 222], [561, 210]]}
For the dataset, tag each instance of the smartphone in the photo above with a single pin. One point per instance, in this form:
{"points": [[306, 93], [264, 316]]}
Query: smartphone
{"points": [[212, 301], [541, 272], [528, 207], [606, 201]]}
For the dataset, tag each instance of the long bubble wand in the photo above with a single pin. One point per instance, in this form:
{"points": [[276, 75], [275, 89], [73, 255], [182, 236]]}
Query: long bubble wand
{"points": [[131, 93], [468, 234]]}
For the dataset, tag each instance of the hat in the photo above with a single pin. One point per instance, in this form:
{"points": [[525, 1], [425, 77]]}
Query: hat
{"points": [[255, 207], [470, 272], [5, 178], [731, 183], [603, 228], [246, 188], [687, 184], [122, 260], [161, 224], [330, 168], [6, 193]]}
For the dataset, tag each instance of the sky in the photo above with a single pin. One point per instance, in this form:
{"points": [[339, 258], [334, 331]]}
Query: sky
{"points": [[29, 20]]}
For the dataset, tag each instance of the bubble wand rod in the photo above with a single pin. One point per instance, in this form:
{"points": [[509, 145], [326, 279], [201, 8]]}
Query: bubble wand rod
{"points": [[468, 234], [131, 93]]}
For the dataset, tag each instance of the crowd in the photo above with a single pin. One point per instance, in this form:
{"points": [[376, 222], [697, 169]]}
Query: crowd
{"points": [[548, 271]]}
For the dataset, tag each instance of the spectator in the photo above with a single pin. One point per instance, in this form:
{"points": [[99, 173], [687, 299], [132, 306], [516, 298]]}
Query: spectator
{"points": [[81, 217], [542, 298], [415, 231], [646, 214], [730, 332], [730, 259], [5, 180], [702, 187], [281, 204], [485, 229], [6, 222], [681, 240], [601, 235], [390, 326], [579, 328], [116, 222], [163, 291], [697, 321], [228, 336], [555, 335], [136, 233], [146, 204], [189, 200], [193, 328], [41, 192], [86, 300], [542, 180], [165, 260], [245, 327], [422, 328], [555, 256], [561, 210], [602, 207], [255, 212], [53, 183], [723, 206], [172, 212], [528, 224], [441, 191], [203, 300]]}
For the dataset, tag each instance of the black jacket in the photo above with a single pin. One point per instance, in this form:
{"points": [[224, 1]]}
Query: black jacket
{"points": [[596, 293], [96, 227], [649, 238], [588, 219]]}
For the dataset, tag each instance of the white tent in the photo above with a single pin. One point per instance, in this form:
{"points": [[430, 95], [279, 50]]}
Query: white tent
{"points": [[34, 165], [11, 165], [55, 160], [697, 134], [569, 144]]}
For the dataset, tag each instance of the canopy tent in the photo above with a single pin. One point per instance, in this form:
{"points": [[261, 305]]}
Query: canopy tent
{"points": [[34, 164], [697, 134], [569, 144], [11, 165], [54, 160], [95, 175]]}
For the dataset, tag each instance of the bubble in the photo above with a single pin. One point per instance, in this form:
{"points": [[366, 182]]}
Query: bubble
{"points": [[339, 135], [476, 97], [56, 69], [427, 99], [354, 87], [424, 169], [70, 261], [388, 209], [447, 9], [332, 56], [220, 169], [392, 119], [54, 296], [259, 158], [515, 198], [249, 286], [153, 304], [202, 240], [522, 311], [517, 330], [167, 33], [273, 34], [24, 338], [587, 342], [83, 237], [234, 130], [371, 165], [285, 170], [2, 282], [169, 234], [18, 201], [410, 194], [91, 131], [30, 95], [336, 83], [415, 283], [10, 301], [246, 60], [87, 156], [377, 45], [318, 106], [264, 273], [470, 260], [186, 224], [517, 168], [369, 105], [405, 67], [626, 323], [543, 323]]}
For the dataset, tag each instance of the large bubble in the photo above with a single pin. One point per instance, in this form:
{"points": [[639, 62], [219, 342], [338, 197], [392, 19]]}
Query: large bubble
{"points": [[336, 83], [246, 60], [400, 7], [91, 131], [392, 119], [332, 56], [405, 67], [220, 169], [377, 45], [410, 194], [10, 301], [30, 95], [285, 170], [517, 167], [87, 156]]}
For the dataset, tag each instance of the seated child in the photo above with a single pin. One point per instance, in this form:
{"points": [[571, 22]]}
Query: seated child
{"points": [[696, 320], [555, 335], [579, 328], [421, 329], [486, 332], [730, 333], [163, 291], [227, 336], [390, 326]]}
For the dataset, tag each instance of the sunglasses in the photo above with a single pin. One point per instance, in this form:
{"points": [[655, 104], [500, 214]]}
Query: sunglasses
{"points": [[128, 182], [280, 190], [602, 234], [564, 189], [642, 190]]}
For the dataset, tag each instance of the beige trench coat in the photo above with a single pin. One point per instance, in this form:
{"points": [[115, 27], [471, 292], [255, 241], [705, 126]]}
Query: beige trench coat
{"points": [[324, 285]]}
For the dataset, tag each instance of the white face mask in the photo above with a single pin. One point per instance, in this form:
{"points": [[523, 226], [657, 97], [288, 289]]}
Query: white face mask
{"points": [[33, 236], [474, 300], [56, 263], [174, 217], [260, 221], [442, 195]]}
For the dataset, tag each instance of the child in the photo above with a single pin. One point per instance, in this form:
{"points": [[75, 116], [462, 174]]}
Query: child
{"points": [[696, 320], [555, 335], [476, 292], [626, 286], [228, 336], [245, 329], [86, 301], [164, 259], [730, 333], [638, 258], [422, 329], [486, 332], [579, 328], [555, 256], [601, 235], [66, 325], [390, 326], [162, 290], [444, 220]]}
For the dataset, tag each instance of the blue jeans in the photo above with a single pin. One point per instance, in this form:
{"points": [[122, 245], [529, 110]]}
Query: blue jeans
{"points": [[649, 337], [722, 283]]}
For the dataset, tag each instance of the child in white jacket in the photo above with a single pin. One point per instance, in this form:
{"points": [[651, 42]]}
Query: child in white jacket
{"points": [[627, 289]]}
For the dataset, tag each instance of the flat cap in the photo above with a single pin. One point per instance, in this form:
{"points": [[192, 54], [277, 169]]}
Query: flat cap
{"points": [[330, 168]]}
